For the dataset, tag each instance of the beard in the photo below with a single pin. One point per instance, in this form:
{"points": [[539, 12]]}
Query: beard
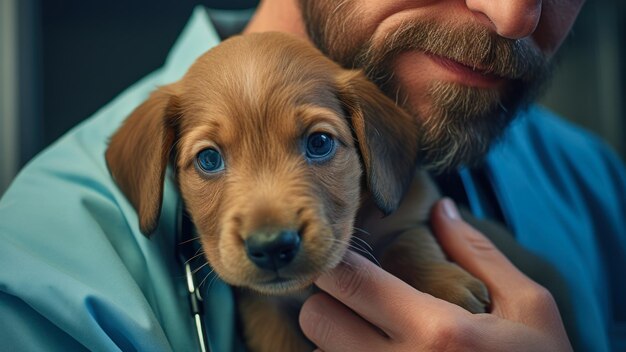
{"points": [[460, 123]]}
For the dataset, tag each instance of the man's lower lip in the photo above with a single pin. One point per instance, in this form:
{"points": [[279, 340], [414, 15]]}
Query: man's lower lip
{"points": [[466, 74]]}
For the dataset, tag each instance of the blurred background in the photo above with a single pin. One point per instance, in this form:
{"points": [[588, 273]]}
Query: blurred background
{"points": [[61, 60]]}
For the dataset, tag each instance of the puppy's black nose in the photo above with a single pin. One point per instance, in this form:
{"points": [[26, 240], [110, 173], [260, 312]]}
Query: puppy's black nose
{"points": [[273, 250]]}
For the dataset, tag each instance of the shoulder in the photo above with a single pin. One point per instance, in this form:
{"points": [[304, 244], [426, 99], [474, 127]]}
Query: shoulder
{"points": [[66, 229], [544, 162], [564, 191], [556, 148], [547, 134]]}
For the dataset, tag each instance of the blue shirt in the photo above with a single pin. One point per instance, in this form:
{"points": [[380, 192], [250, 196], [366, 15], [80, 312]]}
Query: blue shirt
{"points": [[77, 274]]}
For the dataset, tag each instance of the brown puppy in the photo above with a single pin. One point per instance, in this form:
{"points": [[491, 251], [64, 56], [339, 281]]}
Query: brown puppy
{"points": [[275, 149]]}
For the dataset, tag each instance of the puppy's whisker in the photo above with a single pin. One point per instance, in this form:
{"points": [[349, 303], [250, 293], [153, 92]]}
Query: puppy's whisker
{"points": [[195, 256], [189, 240], [354, 238], [210, 284], [361, 231], [357, 247], [201, 249], [205, 277], [200, 267], [349, 244], [367, 253]]}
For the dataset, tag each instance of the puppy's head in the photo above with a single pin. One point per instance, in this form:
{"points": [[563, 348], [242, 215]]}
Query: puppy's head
{"points": [[272, 144]]}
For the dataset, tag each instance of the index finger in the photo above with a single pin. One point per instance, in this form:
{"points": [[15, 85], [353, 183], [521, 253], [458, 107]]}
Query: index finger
{"points": [[376, 295]]}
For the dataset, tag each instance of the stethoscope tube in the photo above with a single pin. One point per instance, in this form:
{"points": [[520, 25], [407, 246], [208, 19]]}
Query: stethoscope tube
{"points": [[185, 254]]}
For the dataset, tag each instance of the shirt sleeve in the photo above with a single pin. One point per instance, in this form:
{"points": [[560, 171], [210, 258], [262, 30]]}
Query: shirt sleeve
{"points": [[72, 257], [75, 271]]}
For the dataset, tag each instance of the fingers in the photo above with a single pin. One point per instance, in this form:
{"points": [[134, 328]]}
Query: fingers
{"points": [[475, 253], [376, 295], [333, 327], [372, 310]]}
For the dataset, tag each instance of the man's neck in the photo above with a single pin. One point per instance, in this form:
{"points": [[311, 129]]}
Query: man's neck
{"points": [[277, 16]]}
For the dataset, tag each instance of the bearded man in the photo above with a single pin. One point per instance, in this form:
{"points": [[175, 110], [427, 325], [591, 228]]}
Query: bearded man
{"points": [[78, 274]]}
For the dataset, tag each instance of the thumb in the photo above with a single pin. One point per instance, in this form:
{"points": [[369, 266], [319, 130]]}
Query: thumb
{"points": [[514, 296], [473, 251]]}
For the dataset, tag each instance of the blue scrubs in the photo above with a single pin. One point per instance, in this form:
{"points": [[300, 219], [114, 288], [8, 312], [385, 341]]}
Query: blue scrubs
{"points": [[77, 274]]}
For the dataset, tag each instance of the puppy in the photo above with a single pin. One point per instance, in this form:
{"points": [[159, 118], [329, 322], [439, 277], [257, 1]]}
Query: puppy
{"points": [[279, 155]]}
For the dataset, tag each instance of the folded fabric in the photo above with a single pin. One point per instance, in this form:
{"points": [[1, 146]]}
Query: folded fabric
{"points": [[75, 271]]}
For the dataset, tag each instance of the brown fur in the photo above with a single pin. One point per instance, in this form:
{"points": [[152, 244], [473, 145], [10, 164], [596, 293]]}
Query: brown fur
{"points": [[256, 98]]}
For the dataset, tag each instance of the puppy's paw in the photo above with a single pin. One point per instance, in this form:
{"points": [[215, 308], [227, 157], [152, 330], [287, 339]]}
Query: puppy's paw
{"points": [[455, 285]]}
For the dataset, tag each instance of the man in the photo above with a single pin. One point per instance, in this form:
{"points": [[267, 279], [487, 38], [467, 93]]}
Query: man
{"points": [[77, 274], [466, 70]]}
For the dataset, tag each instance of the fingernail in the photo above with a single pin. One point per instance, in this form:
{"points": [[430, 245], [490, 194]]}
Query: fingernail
{"points": [[450, 209]]}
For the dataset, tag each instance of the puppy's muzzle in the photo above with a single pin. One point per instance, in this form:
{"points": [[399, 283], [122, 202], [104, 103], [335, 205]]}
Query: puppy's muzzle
{"points": [[272, 250]]}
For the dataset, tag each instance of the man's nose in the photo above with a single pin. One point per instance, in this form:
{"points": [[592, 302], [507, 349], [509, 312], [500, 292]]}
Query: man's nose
{"points": [[513, 19]]}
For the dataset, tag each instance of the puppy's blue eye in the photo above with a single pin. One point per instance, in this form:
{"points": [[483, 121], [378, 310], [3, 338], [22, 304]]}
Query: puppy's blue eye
{"points": [[210, 160], [320, 146]]}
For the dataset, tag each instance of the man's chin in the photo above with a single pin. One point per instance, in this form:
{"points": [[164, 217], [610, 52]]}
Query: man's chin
{"points": [[460, 125]]}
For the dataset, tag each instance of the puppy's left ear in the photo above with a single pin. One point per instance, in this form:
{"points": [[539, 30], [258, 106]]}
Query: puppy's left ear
{"points": [[386, 136]]}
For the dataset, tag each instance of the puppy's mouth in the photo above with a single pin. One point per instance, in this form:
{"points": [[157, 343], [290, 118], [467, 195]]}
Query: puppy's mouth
{"points": [[281, 285], [277, 280]]}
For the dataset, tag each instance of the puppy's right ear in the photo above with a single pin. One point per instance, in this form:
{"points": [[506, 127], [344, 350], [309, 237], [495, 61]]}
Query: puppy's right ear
{"points": [[139, 151], [386, 135]]}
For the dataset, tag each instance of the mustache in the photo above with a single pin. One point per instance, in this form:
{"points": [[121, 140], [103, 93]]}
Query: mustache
{"points": [[472, 45]]}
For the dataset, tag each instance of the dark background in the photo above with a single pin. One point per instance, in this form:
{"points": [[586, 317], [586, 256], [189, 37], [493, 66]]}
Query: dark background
{"points": [[76, 55]]}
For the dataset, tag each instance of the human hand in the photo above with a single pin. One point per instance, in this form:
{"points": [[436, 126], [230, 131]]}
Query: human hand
{"points": [[364, 308]]}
